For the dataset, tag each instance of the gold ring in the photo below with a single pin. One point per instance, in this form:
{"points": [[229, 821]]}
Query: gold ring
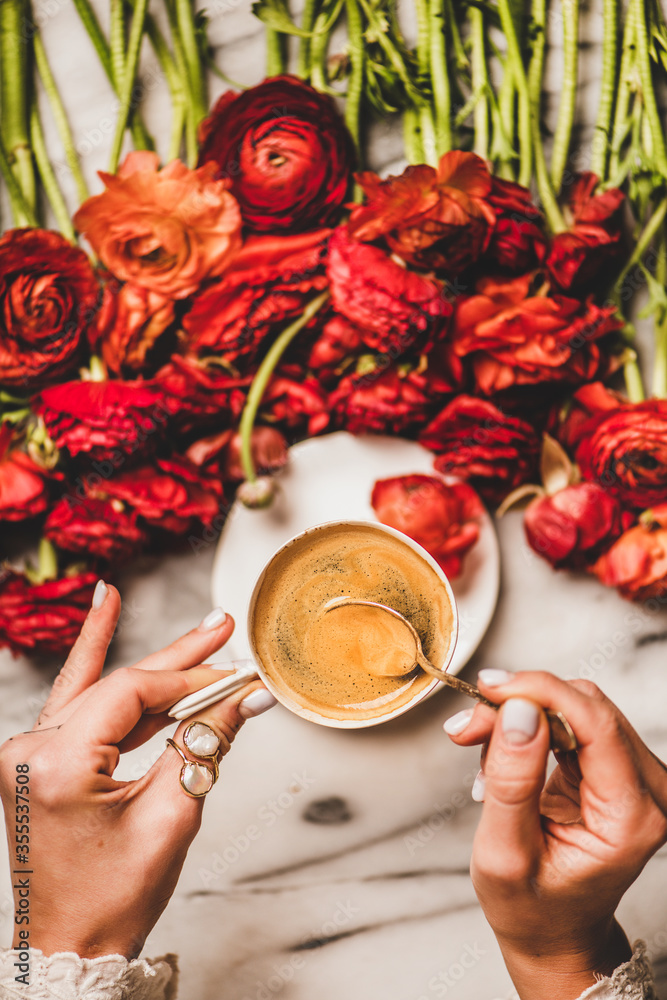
{"points": [[196, 778]]}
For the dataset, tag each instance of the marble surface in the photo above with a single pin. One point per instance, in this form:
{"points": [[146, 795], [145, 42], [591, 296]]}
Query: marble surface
{"points": [[335, 863]]}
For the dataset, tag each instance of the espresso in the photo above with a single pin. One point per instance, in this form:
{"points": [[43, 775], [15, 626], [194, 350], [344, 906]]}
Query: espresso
{"points": [[351, 662]]}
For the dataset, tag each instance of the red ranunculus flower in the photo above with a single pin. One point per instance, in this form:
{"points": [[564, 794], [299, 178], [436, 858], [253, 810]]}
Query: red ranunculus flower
{"points": [[518, 242], [588, 401], [571, 528], [173, 495], [474, 440], [637, 562], [95, 527], [43, 617], [163, 229], [394, 309], [222, 452], [625, 451], [431, 218], [516, 339], [286, 152], [198, 394], [23, 491], [128, 324], [269, 283], [443, 518], [338, 340], [103, 421], [381, 402], [577, 257], [296, 402], [48, 296]]}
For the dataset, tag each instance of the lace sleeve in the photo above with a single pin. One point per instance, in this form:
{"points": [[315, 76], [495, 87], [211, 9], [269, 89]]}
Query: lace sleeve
{"points": [[632, 981], [65, 976]]}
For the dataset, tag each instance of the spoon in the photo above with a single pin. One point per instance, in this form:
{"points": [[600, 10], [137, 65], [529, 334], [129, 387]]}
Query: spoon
{"points": [[562, 735]]}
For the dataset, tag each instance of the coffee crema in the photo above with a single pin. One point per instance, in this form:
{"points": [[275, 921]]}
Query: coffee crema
{"points": [[353, 662]]}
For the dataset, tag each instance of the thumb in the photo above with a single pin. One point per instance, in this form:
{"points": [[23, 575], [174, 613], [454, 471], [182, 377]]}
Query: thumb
{"points": [[509, 838]]}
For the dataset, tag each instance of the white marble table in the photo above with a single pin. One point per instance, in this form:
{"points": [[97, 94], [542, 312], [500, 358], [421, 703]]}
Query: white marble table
{"points": [[335, 863]]}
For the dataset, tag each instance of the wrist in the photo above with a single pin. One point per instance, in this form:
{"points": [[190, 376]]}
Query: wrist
{"points": [[541, 974]]}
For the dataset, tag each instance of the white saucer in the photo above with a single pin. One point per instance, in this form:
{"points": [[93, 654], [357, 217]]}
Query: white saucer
{"points": [[330, 478]]}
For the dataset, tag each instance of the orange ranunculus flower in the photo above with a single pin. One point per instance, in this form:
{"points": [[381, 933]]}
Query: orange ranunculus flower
{"points": [[431, 218], [637, 562], [130, 320], [515, 338], [166, 230], [443, 518]]}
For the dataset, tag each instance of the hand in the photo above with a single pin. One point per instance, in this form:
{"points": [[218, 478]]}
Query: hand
{"points": [[106, 854], [550, 864]]}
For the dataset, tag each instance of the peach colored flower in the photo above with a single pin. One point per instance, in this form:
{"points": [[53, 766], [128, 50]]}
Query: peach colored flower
{"points": [[130, 320], [166, 229]]}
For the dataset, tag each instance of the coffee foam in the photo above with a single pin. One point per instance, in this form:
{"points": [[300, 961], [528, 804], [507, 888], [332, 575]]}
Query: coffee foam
{"points": [[353, 663]]}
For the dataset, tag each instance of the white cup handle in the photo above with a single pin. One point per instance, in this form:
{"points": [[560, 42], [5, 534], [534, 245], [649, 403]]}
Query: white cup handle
{"points": [[244, 672]]}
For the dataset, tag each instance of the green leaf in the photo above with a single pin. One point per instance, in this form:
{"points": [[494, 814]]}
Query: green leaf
{"points": [[657, 298], [275, 14]]}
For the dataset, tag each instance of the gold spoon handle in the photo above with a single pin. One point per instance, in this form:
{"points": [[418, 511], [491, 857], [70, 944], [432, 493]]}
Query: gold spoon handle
{"points": [[562, 737]]}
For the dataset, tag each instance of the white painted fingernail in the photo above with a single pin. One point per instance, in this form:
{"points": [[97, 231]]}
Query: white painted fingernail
{"points": [[494, 678], [100, 595], [478, 788], [520, 720], [257, 702], [214, 619], [458, 722]]}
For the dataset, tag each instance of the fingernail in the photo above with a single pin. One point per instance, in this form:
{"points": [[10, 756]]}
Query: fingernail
{"points": [[257, 702], [458, 722], [494, 678], [520, 720], [100, 595], [478, 787], [214, 619]]}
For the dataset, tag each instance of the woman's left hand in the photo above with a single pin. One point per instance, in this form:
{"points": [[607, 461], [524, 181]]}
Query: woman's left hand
{"points": [[105, 855]]}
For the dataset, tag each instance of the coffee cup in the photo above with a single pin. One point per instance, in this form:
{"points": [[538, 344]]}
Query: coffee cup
{"points": [[327, 671]]}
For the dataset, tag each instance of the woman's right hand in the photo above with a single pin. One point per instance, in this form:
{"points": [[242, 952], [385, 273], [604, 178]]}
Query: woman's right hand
{"points": [[551, 861]]}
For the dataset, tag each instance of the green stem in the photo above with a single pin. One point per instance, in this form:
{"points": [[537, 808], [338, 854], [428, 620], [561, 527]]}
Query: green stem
{"points": [[442, 98], [620, 126], [460, 57], [563, 133], [480, 81], [608, 85], [14, 96], [23, 213], [515, 66], [536, 67], [275, 53], [188, 39], [355, 85], [319, 51], [642, 245], [648, 95], [659, 381], [412, 136], [129, 77], [60, 118], [117, 42], [262, 377], [634, 386], [140, 136], [189, 112], [423, 38], [307, 21], [47, 561], [48, 178], [175, 83]]}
